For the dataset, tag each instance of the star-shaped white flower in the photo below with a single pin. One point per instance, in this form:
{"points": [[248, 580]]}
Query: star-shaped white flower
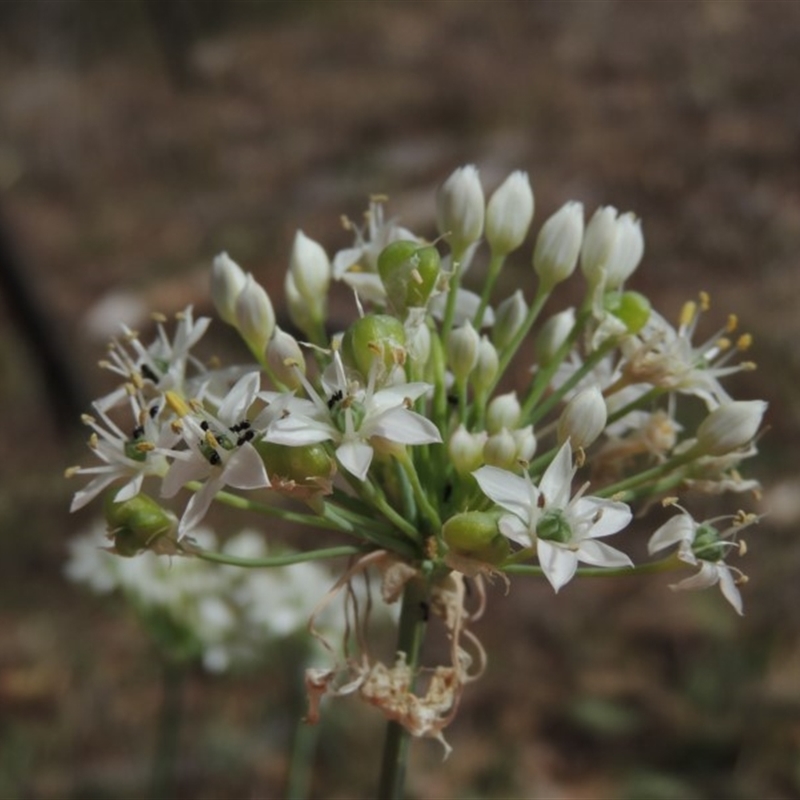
{"points": [[563, 529], [700, 544], [220, 451], [127, 458], [353, 418]]}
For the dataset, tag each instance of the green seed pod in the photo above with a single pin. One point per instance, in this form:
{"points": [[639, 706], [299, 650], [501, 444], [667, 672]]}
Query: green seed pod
{"points": [[630, 308], [409, 272], [376, 335], [300, 464], [475, 534], [139, 524]]}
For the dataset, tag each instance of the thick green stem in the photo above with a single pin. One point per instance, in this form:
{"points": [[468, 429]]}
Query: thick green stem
{"points": [[413, 622], [663, 565], [169, 724], [276, 561], [495, 265]]}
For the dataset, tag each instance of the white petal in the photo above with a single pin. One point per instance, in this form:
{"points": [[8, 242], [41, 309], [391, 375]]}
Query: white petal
{"points": [[611, 516], [245, 469], [680, 528], [403, 426], [393, 396], [182, 471], [512, 527], [297, 430], [707, 576], [355, 456], [508, 490], [556, 483], [729, 589], [599, 554], [558, 563], [234, 407], [84, 496], [197, 506], [130, 489]]}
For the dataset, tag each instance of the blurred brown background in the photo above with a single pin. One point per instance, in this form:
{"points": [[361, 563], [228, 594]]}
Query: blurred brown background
{"points": [[139, 138]]}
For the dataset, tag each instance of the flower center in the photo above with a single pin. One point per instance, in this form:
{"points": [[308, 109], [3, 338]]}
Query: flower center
{"points": [[554, 527]]}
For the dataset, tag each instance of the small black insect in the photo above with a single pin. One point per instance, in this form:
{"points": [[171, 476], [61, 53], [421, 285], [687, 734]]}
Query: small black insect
{"points": [[214, 458], [245, 437], [138, 432], [448, 492], [204, 426], [452, 399], [153, 411]]}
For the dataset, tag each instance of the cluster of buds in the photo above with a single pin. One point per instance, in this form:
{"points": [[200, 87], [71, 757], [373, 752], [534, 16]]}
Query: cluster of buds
{"points": [[402, 435]]}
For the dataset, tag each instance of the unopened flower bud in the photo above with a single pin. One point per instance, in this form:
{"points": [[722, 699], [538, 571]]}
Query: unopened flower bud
{"points": [[140, 524], [227, 282], [509, 317], [460, 208], [500, 450], [504, 411], [526, 443], [285, 358], [583, 419], [598, 243], [509, 214], [311, 271], [475, 534], [462, 351], [627, 251], [466, 450], [255, 317], [487, 365], [376, 336], [418, 343], [730, 426], [559, 244], [553, 334]]}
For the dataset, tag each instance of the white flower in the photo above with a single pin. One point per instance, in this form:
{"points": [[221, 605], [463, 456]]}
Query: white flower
{"points": [[564, 531], [227, 281], [220, 450], [731, 426], [663, 356], [127, 458], [164, 363], [583, 418], [354, 418], [701, 544], [255, 317], [559, 244]]}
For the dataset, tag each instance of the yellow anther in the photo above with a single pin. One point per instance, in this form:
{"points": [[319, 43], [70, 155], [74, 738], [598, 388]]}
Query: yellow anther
{"points": [[379, 198], [196, 406], [176, 403], [177, 426], [748, 366], [688, 313], [669, 501], [145, 447], [723, 343], [103, 364], [742, 547], [71, 472], [346, 222], [211, 440], [130, 389], [732, 324], [744, 342], [705, 301], [137, 379], [157, 316], [94, 441], [415, 276], [741, 580], [87, 419]]}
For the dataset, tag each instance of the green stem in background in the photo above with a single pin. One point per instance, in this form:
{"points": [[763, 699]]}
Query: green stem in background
{"points": [[423, 503], [410, 635], [170, 716], [510, 350], [276, 561], [304, 748], [663, 565], [456, 257], [574, 379], [627, 487], [495, 265]]}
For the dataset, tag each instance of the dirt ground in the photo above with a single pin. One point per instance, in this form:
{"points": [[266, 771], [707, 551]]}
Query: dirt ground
{"points": [[135, 145]]}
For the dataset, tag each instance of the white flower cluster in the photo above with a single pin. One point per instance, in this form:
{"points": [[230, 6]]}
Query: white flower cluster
{"points": [[223, 615], [401, 432]]}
